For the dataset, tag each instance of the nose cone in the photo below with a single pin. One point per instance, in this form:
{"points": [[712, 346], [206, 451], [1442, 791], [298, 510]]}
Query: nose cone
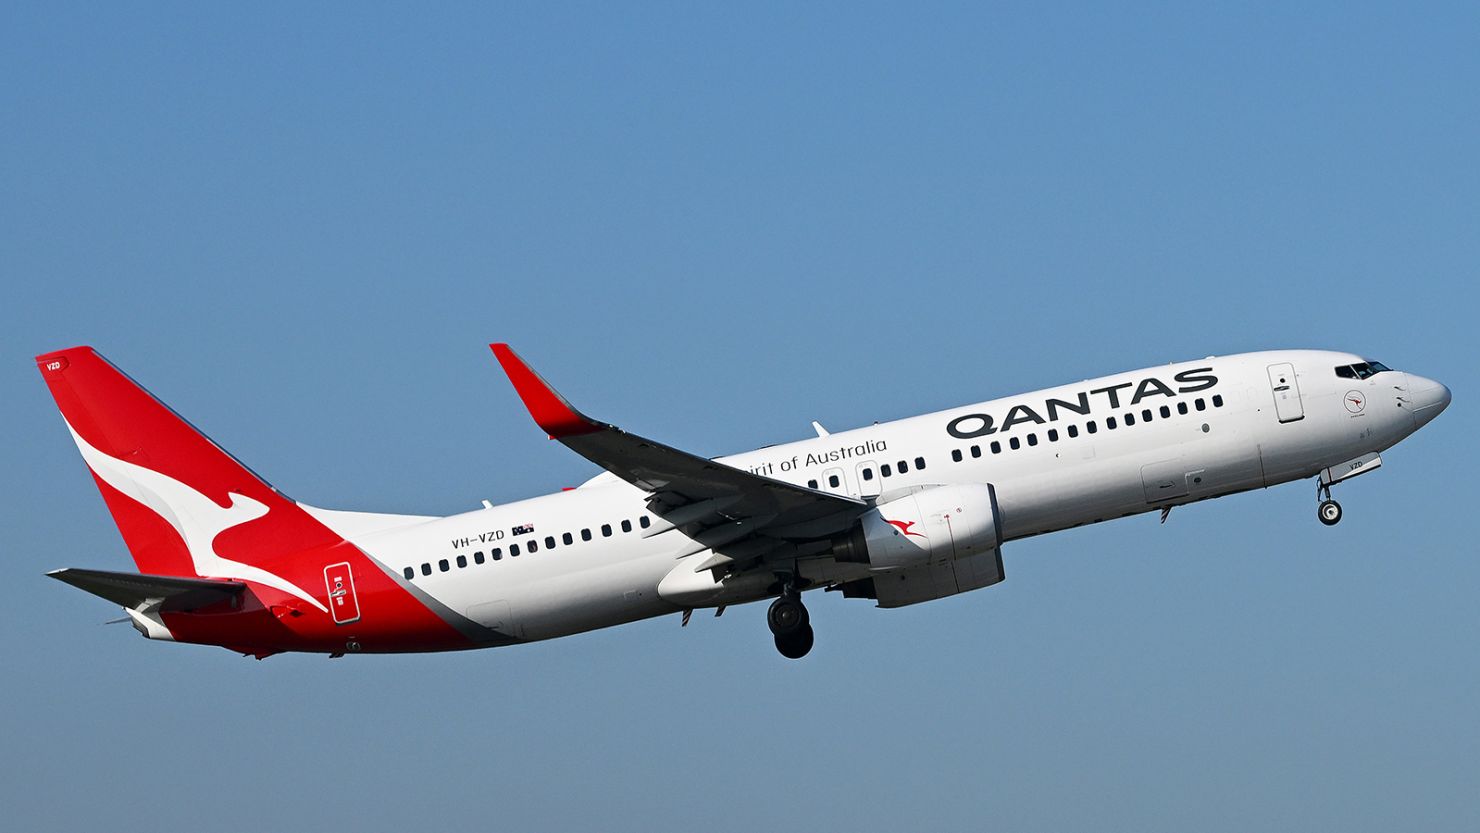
{"points": [[1428, 398]]}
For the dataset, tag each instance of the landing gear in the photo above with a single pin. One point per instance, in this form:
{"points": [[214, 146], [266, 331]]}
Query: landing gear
{"points": [[1329, 511], [796, 645], [787, 615], [791, 625]]}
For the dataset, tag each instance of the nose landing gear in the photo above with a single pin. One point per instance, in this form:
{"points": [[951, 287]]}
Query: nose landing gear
{"points": [[1329, 511], [790, 625]]}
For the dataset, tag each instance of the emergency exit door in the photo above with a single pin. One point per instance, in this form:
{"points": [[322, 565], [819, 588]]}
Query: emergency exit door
{"points": [[1286, 392], [344, 606]]}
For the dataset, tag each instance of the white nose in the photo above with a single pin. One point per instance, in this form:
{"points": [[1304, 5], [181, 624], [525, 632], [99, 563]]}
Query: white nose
{"points": [[1428, 397]]}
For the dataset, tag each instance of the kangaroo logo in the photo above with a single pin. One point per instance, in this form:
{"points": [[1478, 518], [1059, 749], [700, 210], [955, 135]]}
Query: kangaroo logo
{"points": [[194, 516], [904, 527]]}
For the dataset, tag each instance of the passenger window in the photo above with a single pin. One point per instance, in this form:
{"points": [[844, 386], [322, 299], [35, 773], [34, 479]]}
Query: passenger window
{"points": [[1109, 423], [585, 535], [606, 530], [1053, 435], [919, 463], [996, 447], [409, 573], [549, 542], [1130, 419], [868, 474], [1032, 439], [1182, 408], [904, 466], [513, 550], [626, 525], [644, 522], [976, 451], [811, 484], [567, 539], [496, 553], [1073, 431], [1146, 414], [955, 456], [885, 470], [426, 569], [1091, 427], [1217, 400], [1200, 405], [531, 546], [462, 561], [443, 565], [1165, 412], [1014, 443], [478, 557]]}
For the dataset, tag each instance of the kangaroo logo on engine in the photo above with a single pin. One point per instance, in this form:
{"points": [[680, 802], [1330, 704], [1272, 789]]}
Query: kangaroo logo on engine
{"points": [[904, 527]]}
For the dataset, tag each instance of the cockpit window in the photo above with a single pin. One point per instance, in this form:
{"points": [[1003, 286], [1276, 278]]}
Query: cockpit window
{"points": [[1362, 370]]}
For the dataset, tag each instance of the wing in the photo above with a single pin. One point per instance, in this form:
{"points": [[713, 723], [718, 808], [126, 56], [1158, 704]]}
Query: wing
{"points": [[734, 512]]}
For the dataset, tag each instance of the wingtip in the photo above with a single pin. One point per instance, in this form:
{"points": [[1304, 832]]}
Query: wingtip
{"points": [[548, 408]]}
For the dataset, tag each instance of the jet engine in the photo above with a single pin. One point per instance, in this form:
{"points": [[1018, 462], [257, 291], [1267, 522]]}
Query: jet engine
{"points": [[930, 526]]}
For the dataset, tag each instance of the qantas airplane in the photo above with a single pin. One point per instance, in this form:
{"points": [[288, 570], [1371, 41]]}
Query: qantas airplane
{"points": [[899, 512]]}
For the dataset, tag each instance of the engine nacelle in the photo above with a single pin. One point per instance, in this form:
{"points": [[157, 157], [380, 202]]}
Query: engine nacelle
{"points": [[930, 526]]}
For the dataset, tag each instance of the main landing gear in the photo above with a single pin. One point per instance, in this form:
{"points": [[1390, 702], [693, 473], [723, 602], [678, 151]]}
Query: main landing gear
{"points": [[1329, 511], [791, 625]]}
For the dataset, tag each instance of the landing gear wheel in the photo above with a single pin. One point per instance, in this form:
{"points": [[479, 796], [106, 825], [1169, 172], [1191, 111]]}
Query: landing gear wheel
{"points": [[1329, 512], [786, 617], [795, 645]]}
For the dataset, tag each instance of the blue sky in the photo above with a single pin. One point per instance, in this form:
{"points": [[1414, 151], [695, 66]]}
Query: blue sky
{"points": [[301, 227]]}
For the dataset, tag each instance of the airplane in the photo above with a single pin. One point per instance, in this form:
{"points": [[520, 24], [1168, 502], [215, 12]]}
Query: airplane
{"points": [[899, 512]]}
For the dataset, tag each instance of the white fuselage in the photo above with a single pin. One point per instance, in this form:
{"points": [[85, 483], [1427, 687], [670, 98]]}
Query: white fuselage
{"points": [[1215, 428]]}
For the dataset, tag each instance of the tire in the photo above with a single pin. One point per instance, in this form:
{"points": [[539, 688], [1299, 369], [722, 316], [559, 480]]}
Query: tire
{"points": [[1329, 512], [795, 645], [787, 616]]}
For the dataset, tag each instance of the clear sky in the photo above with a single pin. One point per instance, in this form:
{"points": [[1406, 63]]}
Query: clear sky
{"points": [[301, 226]]}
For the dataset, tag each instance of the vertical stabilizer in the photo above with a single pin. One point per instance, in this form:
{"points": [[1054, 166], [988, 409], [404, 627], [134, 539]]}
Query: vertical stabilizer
{"points": [[185, 507]]}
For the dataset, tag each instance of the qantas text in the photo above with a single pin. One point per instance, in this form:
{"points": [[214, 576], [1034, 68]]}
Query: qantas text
{"points": [[967, 426]]}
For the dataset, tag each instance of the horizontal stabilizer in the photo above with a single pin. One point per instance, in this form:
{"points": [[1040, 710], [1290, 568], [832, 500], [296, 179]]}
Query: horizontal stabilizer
{"points": [[135, 590]]}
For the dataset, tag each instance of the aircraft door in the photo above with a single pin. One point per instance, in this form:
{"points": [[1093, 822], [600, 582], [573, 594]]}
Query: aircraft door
{"points": [[868, 479], [344, 605], [1286, 389]]}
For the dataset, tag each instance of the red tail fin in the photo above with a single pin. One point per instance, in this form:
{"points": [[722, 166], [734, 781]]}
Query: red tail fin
{"points": [[185, 507]]}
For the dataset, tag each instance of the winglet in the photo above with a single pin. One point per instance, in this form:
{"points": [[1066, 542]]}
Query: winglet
{"points": [[549, 409]]}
